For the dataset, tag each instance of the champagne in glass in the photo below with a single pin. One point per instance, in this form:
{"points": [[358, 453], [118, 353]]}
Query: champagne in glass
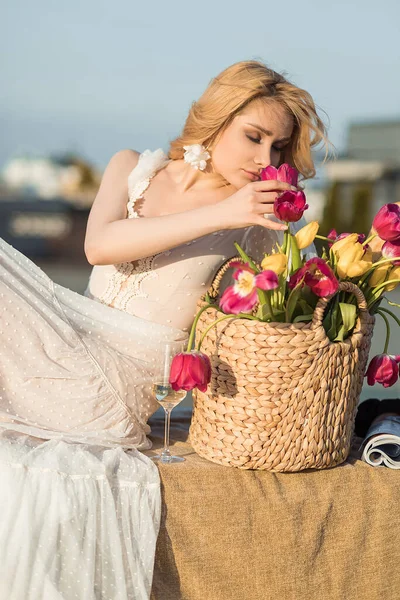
{"points": [[165, 395]]}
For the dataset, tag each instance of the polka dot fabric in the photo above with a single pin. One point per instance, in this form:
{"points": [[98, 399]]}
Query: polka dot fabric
{"points": [[80, 503]]}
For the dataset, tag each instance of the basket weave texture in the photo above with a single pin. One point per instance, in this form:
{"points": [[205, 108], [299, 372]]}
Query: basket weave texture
{"points": [[282, 396]]}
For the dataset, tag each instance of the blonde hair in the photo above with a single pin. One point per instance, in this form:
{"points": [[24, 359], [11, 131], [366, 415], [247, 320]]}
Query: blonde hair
{"points": [[232, 90]]}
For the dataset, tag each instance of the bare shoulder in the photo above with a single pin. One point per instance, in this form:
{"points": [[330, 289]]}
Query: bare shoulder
{"points": [[124, 159]]}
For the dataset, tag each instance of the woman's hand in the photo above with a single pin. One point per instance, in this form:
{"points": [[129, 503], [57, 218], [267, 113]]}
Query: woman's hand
{"points": [[247, 206]]}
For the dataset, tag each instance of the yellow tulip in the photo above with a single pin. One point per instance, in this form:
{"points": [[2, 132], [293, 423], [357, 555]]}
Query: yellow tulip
{"points": [[394, 273], [276, 262], [353, 262], [344, 243], [306, 235], [379, 275]]}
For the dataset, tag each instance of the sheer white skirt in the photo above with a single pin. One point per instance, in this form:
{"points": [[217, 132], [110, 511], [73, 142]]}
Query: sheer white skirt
{"points": [[80, 504]]}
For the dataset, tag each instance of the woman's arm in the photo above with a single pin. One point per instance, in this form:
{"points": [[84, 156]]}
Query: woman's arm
{"points": [[112, 238]]}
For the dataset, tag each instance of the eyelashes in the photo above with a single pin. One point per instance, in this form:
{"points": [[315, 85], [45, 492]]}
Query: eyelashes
{"points": [[255, 140], [258, 141]]}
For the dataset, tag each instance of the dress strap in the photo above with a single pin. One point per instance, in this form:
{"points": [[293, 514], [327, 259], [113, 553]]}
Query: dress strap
{"points": [[139, 178]]}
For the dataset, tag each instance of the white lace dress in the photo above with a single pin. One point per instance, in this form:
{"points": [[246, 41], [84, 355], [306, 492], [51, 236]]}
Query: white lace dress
{"points": [[80, 504]]}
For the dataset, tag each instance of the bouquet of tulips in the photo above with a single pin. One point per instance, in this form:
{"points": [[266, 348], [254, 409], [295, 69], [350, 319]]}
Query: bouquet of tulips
{"points": [[286, 288]]}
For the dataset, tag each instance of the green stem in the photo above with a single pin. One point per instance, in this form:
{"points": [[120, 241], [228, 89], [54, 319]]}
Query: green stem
{"points": [[389, 312], [385, 283], [380, 262], [387, 331], [322, 237], [240, 315], [193, 329], [371, 237], [392, 303]]}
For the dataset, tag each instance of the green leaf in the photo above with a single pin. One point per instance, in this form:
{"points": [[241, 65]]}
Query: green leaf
{"points": [[305, 307], [295, 255], [349, 314], [303, 318], [292, 302], [263, 312], [332, 319], [246, 258]]}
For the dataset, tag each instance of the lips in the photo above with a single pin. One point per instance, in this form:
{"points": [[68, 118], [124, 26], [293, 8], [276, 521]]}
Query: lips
{"points": [[252, 174]]}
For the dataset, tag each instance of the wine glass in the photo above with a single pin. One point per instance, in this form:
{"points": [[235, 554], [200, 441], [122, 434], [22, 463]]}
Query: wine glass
{"points": [[167, 397]]}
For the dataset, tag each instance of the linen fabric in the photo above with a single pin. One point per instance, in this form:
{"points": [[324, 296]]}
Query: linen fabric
{"points": [[231, 534]]}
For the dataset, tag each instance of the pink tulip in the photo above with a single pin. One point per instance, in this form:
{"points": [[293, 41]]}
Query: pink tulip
{"points": [[383, 369], [242, 296], [190, 370], [290, 206], [318, 276], [387, 222], [284, 173], [392, 250]]}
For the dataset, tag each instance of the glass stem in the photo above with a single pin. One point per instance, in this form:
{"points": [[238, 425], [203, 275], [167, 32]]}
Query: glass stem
{"points": [[166, 453]]}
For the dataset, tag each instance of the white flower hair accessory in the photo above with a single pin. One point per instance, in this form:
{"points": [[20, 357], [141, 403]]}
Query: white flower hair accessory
{"points": [[197, 156]]}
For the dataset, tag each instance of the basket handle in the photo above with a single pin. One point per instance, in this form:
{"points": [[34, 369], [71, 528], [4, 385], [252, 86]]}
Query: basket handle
{"points": [[344, 286]]}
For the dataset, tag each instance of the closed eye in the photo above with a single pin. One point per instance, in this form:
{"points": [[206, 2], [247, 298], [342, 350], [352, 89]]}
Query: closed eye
{"points": [[258, 141], [255, 140]]}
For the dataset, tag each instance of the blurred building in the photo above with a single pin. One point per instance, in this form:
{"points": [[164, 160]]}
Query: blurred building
{"points": [[44, 206], [364, 178], [67, 176]]}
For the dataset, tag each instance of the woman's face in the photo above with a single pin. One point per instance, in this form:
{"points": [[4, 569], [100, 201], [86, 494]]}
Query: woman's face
{"points": [[255, 139]]}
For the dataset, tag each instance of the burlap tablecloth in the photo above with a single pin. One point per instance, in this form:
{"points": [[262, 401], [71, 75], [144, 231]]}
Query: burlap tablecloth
{"points": [[229, 534]]}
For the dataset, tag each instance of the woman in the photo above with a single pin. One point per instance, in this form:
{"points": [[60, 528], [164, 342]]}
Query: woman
{"points": [[80, 502]]}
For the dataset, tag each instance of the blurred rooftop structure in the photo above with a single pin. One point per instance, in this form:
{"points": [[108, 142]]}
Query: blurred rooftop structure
{"points": [[365, 177]]}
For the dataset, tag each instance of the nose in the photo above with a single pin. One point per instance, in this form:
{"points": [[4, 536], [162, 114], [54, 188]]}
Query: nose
{"points": [[263, 159]]}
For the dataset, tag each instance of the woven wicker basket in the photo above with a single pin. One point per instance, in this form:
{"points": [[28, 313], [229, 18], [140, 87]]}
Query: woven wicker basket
{"points": [[282, 396]]}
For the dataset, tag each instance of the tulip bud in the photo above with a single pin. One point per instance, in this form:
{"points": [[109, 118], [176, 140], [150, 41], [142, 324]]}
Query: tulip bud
{"points": [[275, 262], [378, 275], [306, 235], [290, 206], [383, 369], [190, 370], [394, 273], [387, 222], [350, 256], [344, 243], [284, 173]]}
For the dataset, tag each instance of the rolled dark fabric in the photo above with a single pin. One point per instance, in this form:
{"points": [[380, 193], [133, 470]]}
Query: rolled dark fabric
{"points": [[371, 408]]}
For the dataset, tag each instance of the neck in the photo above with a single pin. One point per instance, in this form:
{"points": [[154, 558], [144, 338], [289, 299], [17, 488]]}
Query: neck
{"points": [[189, 179]]}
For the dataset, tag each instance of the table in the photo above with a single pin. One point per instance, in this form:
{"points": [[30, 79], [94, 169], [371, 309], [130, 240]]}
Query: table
{"points": [[231, 534]]}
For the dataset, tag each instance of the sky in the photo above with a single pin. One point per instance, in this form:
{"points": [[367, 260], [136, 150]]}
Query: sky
{"points": [[95, 77]]}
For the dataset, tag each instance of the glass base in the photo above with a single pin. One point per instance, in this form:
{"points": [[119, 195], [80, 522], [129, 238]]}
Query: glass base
{"points": [[167, 459]]}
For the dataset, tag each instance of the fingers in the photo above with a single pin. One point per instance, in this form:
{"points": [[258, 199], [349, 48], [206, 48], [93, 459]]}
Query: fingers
{"points": [[272, 184], [268, 224], [265, 198]]}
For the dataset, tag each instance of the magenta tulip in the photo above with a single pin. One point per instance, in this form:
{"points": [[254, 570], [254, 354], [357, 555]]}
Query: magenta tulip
{"points": [[284, 173], [242, 296], [387, 222], [290, 206], [190, 370], [392, 250], [383, 369], [318, 276]]}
